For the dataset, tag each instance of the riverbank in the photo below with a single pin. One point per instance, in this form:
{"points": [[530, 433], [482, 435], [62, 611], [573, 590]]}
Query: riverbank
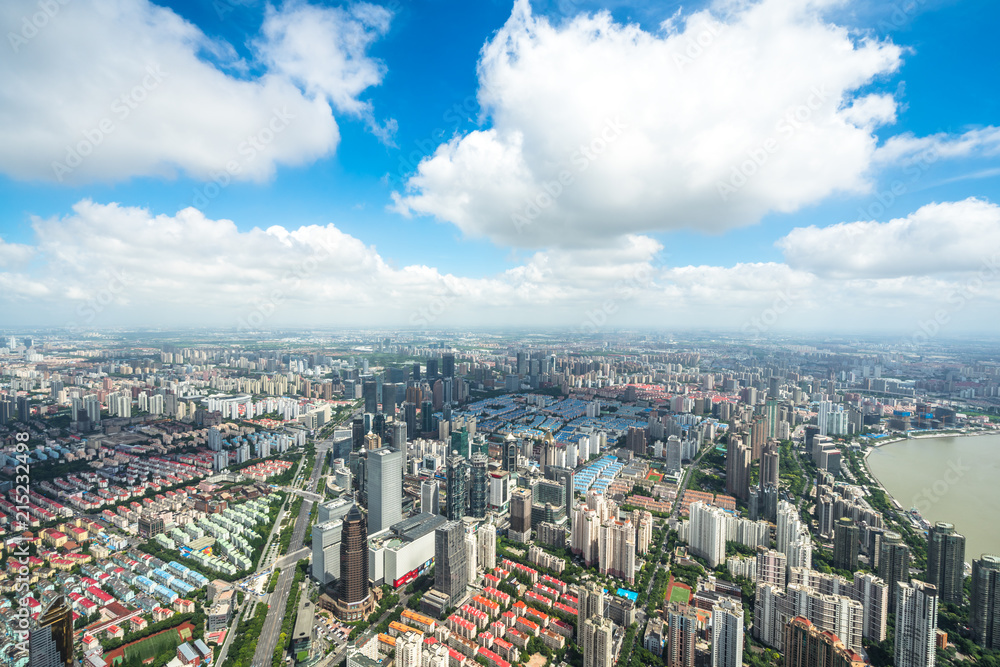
{"points": [[947, 477], [924, 435]]}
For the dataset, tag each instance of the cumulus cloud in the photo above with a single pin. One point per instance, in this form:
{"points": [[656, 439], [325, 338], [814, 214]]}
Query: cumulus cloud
{"points": [[324, 51], [107, 90], [906, 149], [937, 238], [106, 265], [600, 129], [14, 254]]}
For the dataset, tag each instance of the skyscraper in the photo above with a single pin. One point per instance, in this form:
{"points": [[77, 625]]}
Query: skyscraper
{"points": [[50, 642], [480, 486], [455, 489], [399, 430], [598, 642], [354, 599], [520, 515], [873, 594], [369, 390], [616, 549], [635, 440], [769, 465], [808, 646], [845, 545], [916, 624], [946, 561], [385, 488], [737, 468], [460, 442], [707, 533], [509, 456], [326, 551], [590, 603], [893, 563], [771, 417], [789, 524], [410, 418], [823, 410], [985, 609], [682, 622], [772, 567], [357, 433], [450, 561], [448, 365], [430, 496], [427, 417], [727, 634], [486, 538]]}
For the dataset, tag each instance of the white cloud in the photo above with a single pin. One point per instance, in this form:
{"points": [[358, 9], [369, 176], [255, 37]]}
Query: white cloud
{"points": [[670, 119], [905, 149], [324, 50], [105, 265], [108, 90], [937, 238], [14, 254]]}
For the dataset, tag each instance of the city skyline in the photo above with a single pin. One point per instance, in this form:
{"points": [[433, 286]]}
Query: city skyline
{"points": [[239, 166]]}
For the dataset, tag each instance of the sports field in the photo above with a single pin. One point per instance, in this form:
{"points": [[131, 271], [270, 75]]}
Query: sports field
{"points": [[678, 592]]}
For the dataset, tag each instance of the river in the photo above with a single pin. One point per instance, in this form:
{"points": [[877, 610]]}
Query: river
{"points": [[948, 478]]}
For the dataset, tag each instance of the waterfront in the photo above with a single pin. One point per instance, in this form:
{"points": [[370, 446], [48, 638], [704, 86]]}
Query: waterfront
{"points": [[947, 478]]}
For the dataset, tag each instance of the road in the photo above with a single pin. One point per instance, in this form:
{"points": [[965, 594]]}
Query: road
{"points": [[268, 639], [687, 478]]}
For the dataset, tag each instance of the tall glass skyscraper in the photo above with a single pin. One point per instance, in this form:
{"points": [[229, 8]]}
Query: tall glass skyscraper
{"points": [[450, 561], [480, 486], [385, 488], [50, 643], [455, 490]]}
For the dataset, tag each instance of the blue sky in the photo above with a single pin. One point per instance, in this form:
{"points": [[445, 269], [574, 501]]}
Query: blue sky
{"points": [[408, 80]]}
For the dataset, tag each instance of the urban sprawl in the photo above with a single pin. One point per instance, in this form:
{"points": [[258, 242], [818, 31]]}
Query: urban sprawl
{"points": [[376, 497]]}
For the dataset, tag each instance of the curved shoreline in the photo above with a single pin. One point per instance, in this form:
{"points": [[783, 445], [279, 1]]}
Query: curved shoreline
{"points": [[894, 440], [896, 504], [924, 435]]}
